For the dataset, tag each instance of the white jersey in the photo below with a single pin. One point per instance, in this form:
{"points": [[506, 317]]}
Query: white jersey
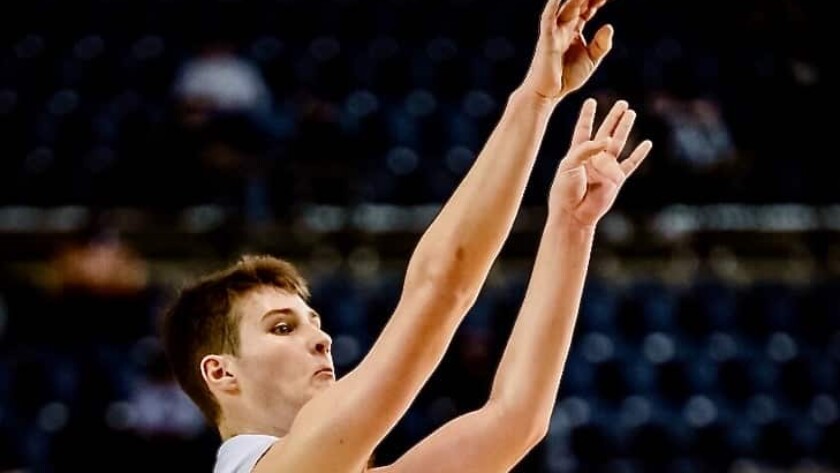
{"points": [[240, 453]]}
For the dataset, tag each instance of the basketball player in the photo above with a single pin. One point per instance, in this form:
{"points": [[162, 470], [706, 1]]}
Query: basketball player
{"points": [[249, 350]]}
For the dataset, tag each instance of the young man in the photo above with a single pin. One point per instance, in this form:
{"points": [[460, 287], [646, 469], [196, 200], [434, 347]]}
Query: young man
{"points": [[248, 349]]}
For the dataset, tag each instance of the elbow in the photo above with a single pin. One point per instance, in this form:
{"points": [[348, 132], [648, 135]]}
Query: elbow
{"points": [[532, 428], [446, 277], [538, 431], [525, 424]]}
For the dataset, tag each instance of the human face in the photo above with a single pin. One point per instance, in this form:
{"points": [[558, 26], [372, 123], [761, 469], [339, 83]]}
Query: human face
{"points": [[284, 356]]}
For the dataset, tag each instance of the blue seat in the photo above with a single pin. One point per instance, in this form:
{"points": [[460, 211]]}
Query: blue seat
{"points": [[766, 307], [678, 380], [612, 381], [739, 378], [599, 306], [658, 303], [798, 381], [578, 376], [385, 65], [496, 68], [10, 450], [647, 306], [777, 444], [712, 447], [827, 450], [708, 306], [819, 316], [655, 445], [593, 446], [383, 299]]}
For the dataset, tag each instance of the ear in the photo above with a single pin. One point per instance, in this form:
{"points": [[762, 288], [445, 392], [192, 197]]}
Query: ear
{"points": [[217, 373]]}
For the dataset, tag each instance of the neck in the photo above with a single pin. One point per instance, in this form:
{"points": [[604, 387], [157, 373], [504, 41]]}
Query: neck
{"points": [[243, 421]]}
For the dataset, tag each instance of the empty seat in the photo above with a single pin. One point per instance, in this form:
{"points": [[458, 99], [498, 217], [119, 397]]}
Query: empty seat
{"points": [[677, 380], [647, 306], [711, 446], [11, 458], [827, 450], [707, 307], [593, 446], [797, 381], [739, 378], [599, 306], [818, 317], [777, 444], [766, 307], [655, 445]]}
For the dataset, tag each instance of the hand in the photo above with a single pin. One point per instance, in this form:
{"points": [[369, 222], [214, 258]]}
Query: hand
{"points": [[589, 177], [563, 61]]}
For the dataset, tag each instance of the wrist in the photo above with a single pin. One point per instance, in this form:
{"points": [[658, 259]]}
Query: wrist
{"points": [[530, 98], [564, 220]]}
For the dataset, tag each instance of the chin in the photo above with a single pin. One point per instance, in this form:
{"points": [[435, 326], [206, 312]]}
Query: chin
{"points": [[323, 384], [316, 390]]}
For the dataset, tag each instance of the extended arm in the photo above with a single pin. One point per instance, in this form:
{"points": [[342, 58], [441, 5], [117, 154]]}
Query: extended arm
{"points": [[516, 416]]}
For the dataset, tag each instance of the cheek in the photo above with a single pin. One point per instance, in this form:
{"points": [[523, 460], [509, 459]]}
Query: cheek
{"points": [[273, 362]]}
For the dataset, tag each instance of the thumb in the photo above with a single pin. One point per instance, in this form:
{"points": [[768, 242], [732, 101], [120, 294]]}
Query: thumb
{"points": [[601, 44]]}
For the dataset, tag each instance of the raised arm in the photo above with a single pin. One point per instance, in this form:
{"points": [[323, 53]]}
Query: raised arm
{"points": [[461, 244], [516, 416], [450, 263]]}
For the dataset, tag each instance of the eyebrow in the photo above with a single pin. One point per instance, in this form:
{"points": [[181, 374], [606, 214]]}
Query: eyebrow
{"points": [[289, 311]]}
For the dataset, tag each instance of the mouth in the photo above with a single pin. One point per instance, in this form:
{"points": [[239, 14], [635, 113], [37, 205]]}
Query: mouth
{"points": [[325, 371]]}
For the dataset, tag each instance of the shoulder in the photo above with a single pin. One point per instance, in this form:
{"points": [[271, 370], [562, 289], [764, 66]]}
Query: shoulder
{"points": [[240, 453]]}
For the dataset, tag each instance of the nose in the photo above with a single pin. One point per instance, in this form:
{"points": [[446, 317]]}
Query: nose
{"points": [[322, 343]]}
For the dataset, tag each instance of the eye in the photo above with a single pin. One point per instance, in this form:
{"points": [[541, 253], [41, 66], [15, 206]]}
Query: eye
{"points": [[282, 329]]}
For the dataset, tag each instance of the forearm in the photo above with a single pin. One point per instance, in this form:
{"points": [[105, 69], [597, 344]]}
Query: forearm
{"points": [[466, 236], [528, 376]]}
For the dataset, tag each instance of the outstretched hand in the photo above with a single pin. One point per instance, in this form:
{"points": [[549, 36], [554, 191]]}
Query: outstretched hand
{"points": [[589, 177], [563, 60]]}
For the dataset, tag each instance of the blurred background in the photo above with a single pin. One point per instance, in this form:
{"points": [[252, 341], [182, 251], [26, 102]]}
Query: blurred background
{"points": [[145, 142]]}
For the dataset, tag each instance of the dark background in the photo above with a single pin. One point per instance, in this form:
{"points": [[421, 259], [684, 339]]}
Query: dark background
{"points": [[709, 337]]}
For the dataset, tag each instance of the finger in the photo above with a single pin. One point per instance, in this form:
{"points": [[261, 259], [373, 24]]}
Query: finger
{"points": [[579, 154], [570, 10], [622, 132], [588, 14], [585, 122], [592, 9], [581, 25], [611, 120], [551, 8], [601, 44], [636, 157], [549, 14]]}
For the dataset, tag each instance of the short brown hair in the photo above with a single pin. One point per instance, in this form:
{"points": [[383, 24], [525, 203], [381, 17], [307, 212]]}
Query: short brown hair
{"points": [[201, 321]]}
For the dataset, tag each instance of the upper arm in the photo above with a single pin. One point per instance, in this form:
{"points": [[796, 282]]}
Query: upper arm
{"points": [[339, 428], [483, 441]]}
